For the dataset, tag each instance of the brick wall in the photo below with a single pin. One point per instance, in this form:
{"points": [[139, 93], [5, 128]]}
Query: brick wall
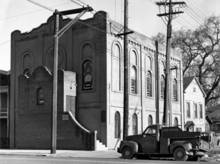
{"points": [[33, 121]]}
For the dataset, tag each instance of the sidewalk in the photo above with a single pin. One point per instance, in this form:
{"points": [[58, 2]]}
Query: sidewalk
{"points": [[63, 153]]}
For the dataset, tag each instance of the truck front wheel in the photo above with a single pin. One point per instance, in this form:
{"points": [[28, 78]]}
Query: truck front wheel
{"points": [[127, 153], [179, 154]]}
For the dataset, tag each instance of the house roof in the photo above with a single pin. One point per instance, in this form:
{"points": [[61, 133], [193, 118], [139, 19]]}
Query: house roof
{"points": [[187, 81]]}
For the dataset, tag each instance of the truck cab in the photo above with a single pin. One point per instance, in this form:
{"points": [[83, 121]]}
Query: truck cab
{"points": [[157, 140]]}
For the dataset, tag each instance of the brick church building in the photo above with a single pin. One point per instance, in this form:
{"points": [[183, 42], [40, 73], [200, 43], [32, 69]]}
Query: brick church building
{"points": [[90, 85]]}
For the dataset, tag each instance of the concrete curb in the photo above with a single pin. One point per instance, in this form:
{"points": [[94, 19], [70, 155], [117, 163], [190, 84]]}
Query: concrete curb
{"points": [[62, 153]]}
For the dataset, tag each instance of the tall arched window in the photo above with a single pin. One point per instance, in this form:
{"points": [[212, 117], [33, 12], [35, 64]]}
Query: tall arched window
{"points": [[162, 87], [175, 98], [40, 96], [135, 124], [133, 72], [87, 75], [176, 121], [133, 80], [148, 63], [116, 68], [149, 84], [117, 125], [150, 120]]}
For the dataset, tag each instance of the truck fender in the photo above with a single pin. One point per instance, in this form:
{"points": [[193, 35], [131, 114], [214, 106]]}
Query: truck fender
{"points": [[186, 145], [133, 145]]}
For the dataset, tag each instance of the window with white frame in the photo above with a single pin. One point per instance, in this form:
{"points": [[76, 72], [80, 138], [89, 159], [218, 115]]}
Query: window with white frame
{"points": [[117, 125], [149, 84], [135, 124], [201, 110], [133, 72], [188, 109], [195, 111], [116, 68], [150, 120], [175, 92]]}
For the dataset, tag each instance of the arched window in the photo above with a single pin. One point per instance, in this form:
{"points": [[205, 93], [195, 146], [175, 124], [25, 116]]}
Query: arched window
{"points": [[176, 121], [148, 63], [162, 87], [133, 80], [117, 125], [40, 96], [150, 120], [87, 75], [135, 124], [149, 84], [175, 98], [133, 72], [116, 68]]}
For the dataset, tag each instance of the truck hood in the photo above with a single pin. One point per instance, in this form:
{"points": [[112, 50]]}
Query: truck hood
{"points": [[134, 138]]}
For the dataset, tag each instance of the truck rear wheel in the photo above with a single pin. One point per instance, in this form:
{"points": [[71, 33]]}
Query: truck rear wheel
{"points": [[179, 154], [127, 153]]}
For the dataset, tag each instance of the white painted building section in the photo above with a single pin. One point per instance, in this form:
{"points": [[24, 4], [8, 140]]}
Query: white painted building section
{"points": [[194, 103]]}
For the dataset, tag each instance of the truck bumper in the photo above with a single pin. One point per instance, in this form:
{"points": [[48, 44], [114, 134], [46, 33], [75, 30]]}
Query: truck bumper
{"points": [[199, 154]]}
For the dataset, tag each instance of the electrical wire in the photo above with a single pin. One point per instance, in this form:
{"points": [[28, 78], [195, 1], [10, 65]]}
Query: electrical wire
{"points": [[4, 42], [31, 12]]}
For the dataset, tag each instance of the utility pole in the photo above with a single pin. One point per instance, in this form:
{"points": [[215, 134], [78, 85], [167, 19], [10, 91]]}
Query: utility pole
{"points": [[157, 86], [57, 35], [169, 18], [126, 91], [55, 74]]}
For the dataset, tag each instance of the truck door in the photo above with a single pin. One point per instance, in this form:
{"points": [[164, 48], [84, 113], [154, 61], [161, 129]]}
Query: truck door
{"points": [[149, 141]]}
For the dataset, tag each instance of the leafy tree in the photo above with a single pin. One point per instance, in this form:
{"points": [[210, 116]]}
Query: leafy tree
{"points": [[160, 37], [201, 55]]}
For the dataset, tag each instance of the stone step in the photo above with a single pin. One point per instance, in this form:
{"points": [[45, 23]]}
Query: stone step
{"points": [[100, 146]]}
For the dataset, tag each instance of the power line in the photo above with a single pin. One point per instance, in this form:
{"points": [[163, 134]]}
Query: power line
{"points": [[4, 42], [199, 12], [193, 16], [205, 8], [31, 12]]}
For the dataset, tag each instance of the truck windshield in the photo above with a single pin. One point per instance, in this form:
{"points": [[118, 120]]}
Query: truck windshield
{"points": [[150, 130]]}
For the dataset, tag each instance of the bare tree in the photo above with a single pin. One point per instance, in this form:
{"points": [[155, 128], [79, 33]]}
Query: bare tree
{"points": [[201, 54], [200, 50]]}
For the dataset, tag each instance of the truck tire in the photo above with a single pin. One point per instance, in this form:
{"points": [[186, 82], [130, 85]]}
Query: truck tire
{"points": [[179, 154], [127, 153]]}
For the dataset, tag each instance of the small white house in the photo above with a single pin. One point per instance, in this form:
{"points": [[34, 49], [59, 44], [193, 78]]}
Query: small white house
{"points": [[194, 104]]}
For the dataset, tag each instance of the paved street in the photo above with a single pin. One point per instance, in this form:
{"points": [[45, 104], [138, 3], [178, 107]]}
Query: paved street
{"points": [[19, 156], [9, 159]]}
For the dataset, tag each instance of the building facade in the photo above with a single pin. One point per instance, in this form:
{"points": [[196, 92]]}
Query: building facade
{"points": [[92, 50], [194, 104], [4, 108]]}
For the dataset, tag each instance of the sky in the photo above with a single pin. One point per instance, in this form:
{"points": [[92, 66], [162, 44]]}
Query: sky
{"points": [[24, 16]]}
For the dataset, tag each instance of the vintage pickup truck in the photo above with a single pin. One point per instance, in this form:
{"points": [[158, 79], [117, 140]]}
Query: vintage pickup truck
{"points": [[157, 140]]}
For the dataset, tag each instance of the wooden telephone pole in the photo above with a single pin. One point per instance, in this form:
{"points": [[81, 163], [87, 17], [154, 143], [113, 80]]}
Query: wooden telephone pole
{"points": [[169, 17], [126, 78]]}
